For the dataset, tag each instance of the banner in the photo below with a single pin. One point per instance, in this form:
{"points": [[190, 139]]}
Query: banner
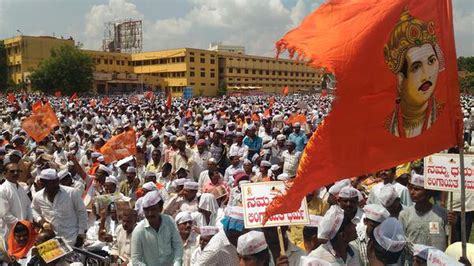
{"points": [[53, 249], [442, 172], [120, 146], [40, 123], [257, 196]]}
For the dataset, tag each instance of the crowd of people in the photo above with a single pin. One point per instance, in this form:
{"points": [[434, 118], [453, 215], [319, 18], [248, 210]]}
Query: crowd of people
{"points": [[178, 200]]}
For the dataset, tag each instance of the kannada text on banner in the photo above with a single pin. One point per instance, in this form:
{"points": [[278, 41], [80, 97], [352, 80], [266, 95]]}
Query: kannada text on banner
{"points": [[443, 172], [257, 196]]}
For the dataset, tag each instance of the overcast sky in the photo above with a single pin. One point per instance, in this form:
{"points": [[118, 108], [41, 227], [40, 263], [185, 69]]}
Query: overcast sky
{"points": [[256, 24]]}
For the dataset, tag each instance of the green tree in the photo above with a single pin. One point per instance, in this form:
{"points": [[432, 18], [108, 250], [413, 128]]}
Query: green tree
{"points": [[68, 69], [466, 63], [467, 83], [3, 68], [222, 90]]}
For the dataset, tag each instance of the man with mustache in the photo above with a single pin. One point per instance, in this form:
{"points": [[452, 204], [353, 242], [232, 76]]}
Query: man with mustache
{"points": [[413, 55]]}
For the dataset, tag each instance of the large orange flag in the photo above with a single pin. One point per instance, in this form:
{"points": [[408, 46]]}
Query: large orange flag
{"points": [[40, 123], [397, 89], [36, 107], [120, 146]]}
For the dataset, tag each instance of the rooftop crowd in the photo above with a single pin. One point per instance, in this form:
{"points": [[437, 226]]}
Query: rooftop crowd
{"points": [[178, 200]]}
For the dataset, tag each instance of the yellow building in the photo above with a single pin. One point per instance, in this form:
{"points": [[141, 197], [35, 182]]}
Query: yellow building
{"points": [[241, 71], [205, 71], [24, 53]]}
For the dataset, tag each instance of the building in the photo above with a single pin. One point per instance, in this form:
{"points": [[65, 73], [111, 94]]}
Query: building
{"points": [[205, 71], [268, 74], [24, 53]]}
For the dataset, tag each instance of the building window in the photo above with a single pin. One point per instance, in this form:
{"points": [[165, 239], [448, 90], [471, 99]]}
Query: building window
{"points": [[230, 70], [203, 60], [203, 84], [191, 59], [191, 53], [213, 75], [213, 61], [213, 84], [254, 71], [238, 70], [191, 73], [203, 74], [246, 71], [192, 83]]}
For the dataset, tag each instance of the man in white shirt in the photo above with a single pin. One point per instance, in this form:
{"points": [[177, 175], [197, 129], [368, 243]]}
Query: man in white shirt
{"points": [[201, 157], [232, 169], [388, 177], [14, 202], [291, 159], [238, 148], [61, 208]]}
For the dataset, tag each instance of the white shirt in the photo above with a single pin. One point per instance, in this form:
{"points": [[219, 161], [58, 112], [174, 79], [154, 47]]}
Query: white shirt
{"points": [[242, 151], [200, 163], [290, 162], [14, 206], [219, 251], [326, 252], [67, 214], [229, 173]]}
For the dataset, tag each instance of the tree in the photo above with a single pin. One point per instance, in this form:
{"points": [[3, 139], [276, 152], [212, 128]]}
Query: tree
{"points": [[222, 90], [68, 70], [3, 68], [466, 63], [466, 83]]}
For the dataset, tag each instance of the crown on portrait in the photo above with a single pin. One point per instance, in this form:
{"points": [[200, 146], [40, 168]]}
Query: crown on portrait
{"points": [[409, 32]]}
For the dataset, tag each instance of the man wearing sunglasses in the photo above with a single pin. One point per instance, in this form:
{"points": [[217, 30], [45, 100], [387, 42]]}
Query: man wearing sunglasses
{"points": [[14, 202]]}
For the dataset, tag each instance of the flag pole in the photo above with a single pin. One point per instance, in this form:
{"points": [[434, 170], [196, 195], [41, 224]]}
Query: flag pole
{"points": [[463, 202]]}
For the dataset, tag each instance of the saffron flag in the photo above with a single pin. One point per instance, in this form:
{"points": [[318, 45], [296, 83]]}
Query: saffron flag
{"points": [[267, 113], [149, 95], [41, 123], [284, 91], [120, 146], [57, 94], [105, 100], [397, 89], [299, 118], [73, 97], [168, 101], [255, 117], [11, 98], [93, 103], [36, 107], [271, 101]]}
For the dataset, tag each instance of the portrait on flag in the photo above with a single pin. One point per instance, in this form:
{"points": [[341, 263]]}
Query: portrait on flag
{"points": [[415, 58]]}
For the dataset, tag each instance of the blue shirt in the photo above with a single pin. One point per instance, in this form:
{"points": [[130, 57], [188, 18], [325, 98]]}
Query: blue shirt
{"points": [[254, 144], [299, 139], [162, 247]]}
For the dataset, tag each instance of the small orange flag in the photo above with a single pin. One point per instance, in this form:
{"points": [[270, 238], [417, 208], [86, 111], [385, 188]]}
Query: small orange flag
{"points": [[120, 146], [285, 91], [395, 66], [255, 117], [105, 100], [271, 101], [299, 118], [11, 98], [73, 97], [93, 103], [57, 94], [267, 113], [41, 123], [36, 107]]}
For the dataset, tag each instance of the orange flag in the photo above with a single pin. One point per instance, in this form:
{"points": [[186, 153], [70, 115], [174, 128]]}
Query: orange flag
{"points": [[149, 95], [120, 146], [41, 123], [267, 113], [397, 88], [299, 118], [93, 103], [284, 91], [271, 101], [168, 101], [255, 117], [11, 98], [36, 107], [73, 97], [105, 100], [57, 94]]}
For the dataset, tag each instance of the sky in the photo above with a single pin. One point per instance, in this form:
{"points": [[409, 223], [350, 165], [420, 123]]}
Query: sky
{"points": [[255, 24]]}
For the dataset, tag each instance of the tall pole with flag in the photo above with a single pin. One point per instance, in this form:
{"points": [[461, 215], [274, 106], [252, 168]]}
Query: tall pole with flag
{"points": [[395, 57]]}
